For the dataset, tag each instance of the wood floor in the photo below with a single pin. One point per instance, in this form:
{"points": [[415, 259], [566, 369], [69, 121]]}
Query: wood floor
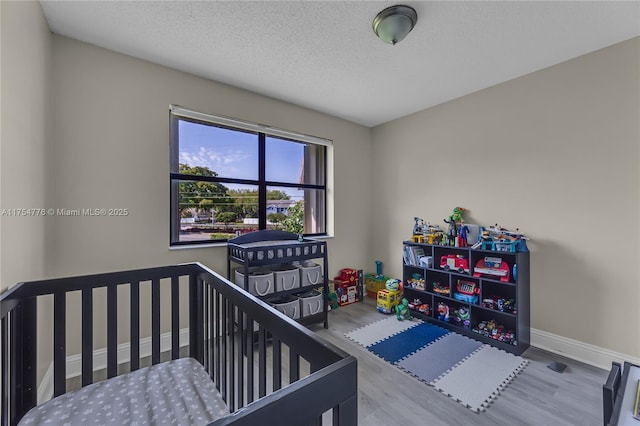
{"points": [[537, 396]]}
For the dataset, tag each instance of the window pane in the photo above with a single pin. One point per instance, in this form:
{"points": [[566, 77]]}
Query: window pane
{"points": [[294, 162], [215, 211], [296, 210], [207, 150]]}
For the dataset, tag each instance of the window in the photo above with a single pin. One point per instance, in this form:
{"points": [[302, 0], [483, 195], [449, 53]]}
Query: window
{"points": [[230, 177]]}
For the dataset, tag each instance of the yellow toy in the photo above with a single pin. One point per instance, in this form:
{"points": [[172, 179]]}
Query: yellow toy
{"points": [[390, 296], [388, 299]]}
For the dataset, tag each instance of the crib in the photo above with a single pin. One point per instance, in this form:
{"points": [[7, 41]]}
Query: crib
{"points": [[265, 367]]}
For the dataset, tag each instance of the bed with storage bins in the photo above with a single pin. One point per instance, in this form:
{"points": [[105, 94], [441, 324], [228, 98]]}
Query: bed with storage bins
{"points": [[226, 376]]}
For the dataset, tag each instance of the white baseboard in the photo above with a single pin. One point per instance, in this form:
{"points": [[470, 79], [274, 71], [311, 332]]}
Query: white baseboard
{"points": [[74, 362], [580, 351]]}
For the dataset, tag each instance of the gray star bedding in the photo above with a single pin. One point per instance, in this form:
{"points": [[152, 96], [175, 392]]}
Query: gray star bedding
{"points": [[177, 392]]}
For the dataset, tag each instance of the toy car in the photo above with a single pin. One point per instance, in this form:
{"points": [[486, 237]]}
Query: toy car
{"points": [[455, 262]]}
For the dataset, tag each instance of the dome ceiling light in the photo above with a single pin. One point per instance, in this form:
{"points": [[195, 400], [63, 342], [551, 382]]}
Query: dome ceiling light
{"points": [[393, 24]]}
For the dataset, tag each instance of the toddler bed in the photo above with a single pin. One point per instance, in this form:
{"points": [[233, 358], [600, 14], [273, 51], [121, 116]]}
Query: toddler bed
{"points": [[247, 364]]}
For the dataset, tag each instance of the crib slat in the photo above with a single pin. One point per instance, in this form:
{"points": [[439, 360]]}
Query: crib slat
{"points": [[175, 318], [210, 341], [294, 366], [59, 343], [135, 325], [262, 361], [155, 321], [87, 336], [112, 331], [277, 364], [196, 333], [232, 336], [240, 359], [206, 324], [250, 379], [223, 360], [22, 362], [218, 314]]}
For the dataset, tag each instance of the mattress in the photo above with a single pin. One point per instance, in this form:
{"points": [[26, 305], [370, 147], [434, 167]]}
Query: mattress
{"points": [[177, 392]]}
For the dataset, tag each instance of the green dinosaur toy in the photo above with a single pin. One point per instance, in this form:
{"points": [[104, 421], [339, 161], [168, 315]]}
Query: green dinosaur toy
{"points": [[402, 310]]}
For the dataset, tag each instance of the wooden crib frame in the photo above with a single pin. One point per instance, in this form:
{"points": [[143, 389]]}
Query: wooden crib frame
{"points": [[222, 338]]}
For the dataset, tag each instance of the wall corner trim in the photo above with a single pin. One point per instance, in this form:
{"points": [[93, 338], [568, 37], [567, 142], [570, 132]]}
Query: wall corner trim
{"points": [[577, 350]]}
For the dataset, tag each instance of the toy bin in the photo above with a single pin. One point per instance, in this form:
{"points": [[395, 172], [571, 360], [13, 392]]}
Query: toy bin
{"points": [[260, 281], [289, 305], [374, 283], [310, 303], [286, 278], [310, 274]]}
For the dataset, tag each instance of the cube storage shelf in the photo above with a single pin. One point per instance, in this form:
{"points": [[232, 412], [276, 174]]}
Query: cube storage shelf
{"points": [[490, 274], [280, 251]]}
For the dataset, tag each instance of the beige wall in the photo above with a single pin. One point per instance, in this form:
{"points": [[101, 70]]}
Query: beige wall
{"points": [[24, 138], [111, 137], [554, 153]]}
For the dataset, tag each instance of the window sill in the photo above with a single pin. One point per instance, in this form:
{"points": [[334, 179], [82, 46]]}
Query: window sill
{"points": [[224, 244]]}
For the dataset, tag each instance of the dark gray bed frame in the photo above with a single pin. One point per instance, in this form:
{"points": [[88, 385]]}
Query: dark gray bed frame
{"points": [[217, 309]]}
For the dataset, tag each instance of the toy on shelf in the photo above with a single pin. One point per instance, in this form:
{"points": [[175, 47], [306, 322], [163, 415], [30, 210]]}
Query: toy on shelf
{"points": [[492, 267], [497, 238], [424, 308], [495, 331], [462, 316], [414, 305], [467, 291], [500, 304], [416, 281], [455, 262], [443, 312], [434, 234], [456, 230], [419, 230], [441, 288], [402, 310]]}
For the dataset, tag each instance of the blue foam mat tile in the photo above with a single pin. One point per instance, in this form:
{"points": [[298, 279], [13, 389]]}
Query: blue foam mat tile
{"points": [[407, 342]]}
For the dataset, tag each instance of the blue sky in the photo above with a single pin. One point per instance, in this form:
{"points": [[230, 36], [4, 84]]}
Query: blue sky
{"points": [[235, 154]]}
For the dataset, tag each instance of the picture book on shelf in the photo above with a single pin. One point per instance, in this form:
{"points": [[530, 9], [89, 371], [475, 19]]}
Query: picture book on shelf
{"points": [[412, 255]]}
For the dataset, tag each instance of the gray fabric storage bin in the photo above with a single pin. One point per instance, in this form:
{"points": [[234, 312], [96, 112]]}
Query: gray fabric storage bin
{"points": [[260, 281], [310, 274], [289, 305], [310, 303], [286, 278]]}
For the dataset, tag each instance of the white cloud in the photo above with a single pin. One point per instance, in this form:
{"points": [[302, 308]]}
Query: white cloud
{"points": [[228, 163]]}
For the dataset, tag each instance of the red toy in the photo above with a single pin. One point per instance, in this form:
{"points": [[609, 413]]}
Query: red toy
{"points": [[493, 267], [348, 274], [454, 262]]}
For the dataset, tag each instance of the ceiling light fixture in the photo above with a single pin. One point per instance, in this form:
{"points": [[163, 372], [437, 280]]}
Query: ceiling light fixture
{"points": [[394, 23]]}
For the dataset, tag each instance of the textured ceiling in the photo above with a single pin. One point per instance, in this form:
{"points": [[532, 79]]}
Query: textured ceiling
{"points": [[323, 54]]}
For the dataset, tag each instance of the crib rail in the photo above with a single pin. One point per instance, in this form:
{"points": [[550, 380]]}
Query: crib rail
{"points": [[264, 364]]}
